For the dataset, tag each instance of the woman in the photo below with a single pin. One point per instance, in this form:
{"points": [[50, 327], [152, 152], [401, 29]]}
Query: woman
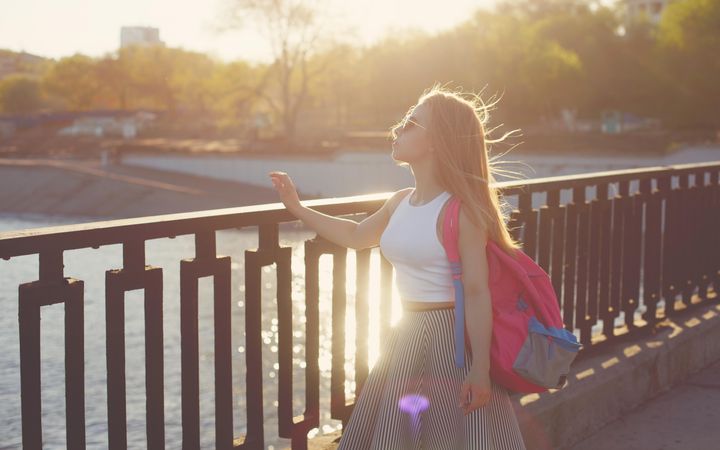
{"points": [[415, 397]]}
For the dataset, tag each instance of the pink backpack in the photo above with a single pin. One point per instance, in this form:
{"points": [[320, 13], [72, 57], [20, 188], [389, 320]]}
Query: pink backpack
{"points": [[531, 350]]}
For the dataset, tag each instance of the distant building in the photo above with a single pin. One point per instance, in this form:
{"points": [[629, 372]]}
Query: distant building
{"points": [[19, 63], [651, 8], [125, 124], [145, 36]]}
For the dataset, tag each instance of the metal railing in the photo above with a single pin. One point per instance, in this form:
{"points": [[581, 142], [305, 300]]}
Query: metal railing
{"points": [[600, 253]]}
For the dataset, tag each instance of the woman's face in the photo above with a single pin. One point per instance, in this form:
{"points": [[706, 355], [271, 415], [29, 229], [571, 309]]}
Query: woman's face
{"points": [[412, 142]]}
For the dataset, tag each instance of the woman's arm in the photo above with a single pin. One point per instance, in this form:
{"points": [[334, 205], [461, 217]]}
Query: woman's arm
{"points": [[478, 309], [344, 232]]}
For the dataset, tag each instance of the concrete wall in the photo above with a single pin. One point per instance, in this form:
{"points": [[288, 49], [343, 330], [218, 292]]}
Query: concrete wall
{"points": [[345, 175], [356, 173], [623, 377]]}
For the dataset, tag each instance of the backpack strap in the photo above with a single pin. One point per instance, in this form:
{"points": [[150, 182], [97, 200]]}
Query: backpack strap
{"points": [[451, 233], [451, 222]]}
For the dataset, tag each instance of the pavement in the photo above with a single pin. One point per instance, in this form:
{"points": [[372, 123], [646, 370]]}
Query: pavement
{"points": [[687, 417]]}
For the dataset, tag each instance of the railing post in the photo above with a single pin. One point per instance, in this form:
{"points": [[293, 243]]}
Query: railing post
{"points": [[134, 275], [206, 263], [50, 289]]}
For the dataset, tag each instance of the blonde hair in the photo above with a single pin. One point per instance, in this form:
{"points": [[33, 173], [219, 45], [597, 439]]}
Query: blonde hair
{"points": [[458, 134]]}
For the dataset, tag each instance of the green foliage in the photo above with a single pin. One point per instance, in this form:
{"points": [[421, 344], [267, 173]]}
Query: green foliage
{"points": [[20, 95], [73, 80], [183, 83], [689, 49]]}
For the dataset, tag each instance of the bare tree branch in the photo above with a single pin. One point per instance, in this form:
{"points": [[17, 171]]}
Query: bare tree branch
{"points": [[293, 30]]}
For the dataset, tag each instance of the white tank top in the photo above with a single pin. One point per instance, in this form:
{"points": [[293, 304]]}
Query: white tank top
{"points": [[410, 243]]}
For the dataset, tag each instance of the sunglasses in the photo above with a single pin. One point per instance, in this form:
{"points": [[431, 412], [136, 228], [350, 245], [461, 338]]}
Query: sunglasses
{"points": [[409, 123]]}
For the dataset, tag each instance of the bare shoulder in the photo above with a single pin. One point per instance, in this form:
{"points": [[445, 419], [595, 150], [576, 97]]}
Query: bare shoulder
{"points": [[470, 233], [369, 231], [395, 199], [472, 241]]}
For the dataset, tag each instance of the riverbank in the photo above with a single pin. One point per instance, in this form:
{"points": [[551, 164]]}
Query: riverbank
{"points": [[86, 189], [649, 143], [142, 184]]}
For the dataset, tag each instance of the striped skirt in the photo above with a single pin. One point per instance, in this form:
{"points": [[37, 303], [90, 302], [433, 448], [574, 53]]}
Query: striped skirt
{"points": [[410, 398]]}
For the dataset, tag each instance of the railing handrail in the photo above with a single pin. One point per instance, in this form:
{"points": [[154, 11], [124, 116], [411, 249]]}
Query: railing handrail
{"points": [[96, 234]]}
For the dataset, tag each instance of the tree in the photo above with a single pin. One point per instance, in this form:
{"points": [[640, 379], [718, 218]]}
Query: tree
{"points": [[293, 29], [20, 94], [574, 27], [114, 78], [689, 40], [337, 91], [233, 92], [152, 72], [158, 77], [643, 81], [73, 79]]}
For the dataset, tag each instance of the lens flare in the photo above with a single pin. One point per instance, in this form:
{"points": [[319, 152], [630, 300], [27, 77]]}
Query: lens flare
{"points": [[413, 405]]}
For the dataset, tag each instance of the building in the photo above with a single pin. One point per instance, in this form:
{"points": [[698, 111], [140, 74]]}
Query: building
{"points": [[651, 8], [12, 63], [145, 36]]}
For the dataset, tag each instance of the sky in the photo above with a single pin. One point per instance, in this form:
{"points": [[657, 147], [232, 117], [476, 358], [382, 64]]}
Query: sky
{"points": [[57, 28]]}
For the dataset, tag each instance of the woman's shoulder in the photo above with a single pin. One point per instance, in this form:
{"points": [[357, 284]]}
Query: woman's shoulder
{"points": [[395, 199], [403, 192], [473, 223]]}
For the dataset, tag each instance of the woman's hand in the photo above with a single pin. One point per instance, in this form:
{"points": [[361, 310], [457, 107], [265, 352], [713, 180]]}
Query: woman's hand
{"points": [[476, 390], [286, 189]]}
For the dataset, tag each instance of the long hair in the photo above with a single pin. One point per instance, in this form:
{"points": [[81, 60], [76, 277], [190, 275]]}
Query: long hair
{"points": [[458, 135]]}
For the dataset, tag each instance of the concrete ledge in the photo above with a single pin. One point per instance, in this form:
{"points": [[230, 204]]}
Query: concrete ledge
{"points": [[325, 442], [605, 386]]}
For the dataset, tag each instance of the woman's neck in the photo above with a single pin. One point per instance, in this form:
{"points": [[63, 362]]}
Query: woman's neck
{"points": [[427, 186], [425, 192]]}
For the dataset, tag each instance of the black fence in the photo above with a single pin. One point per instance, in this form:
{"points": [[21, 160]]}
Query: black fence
{"points": [[601, 251]]}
